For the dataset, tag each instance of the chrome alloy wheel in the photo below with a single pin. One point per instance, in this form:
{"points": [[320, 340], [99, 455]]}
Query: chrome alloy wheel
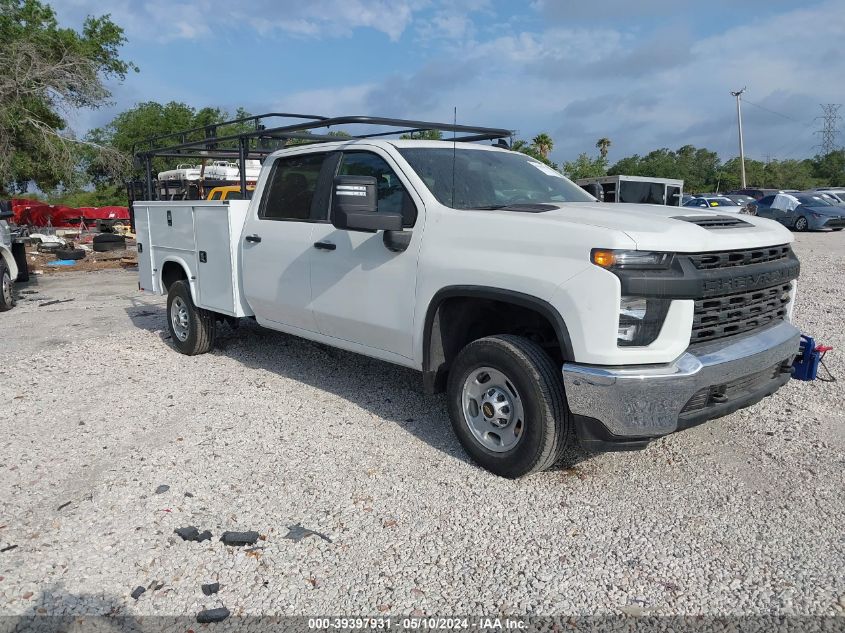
{"points": [[180, 318], [7, 288], [493, 409]]}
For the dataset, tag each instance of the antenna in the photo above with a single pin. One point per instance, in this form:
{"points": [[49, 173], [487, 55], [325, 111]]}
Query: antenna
{"points": [[454, 152]]}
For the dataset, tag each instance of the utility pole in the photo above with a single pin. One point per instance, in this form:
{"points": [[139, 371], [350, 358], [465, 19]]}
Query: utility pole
{"points": [[738, 95]]}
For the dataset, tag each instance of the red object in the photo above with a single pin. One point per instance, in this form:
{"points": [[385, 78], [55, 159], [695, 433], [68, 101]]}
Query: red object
{"points": [[37, 213], [823, 348]]}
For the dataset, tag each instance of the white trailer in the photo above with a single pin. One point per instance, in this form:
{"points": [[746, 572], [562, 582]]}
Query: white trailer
{"points": [[637, 189]]}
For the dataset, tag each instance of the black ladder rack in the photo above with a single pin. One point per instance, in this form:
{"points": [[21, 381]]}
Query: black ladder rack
{"points": [[256, 142]]}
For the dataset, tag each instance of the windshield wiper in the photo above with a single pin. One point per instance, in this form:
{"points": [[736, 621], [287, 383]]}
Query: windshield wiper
{"points": [[490, 207]]}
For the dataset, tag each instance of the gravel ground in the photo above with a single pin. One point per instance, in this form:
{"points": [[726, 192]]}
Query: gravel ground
{"points": [[742, 515]]}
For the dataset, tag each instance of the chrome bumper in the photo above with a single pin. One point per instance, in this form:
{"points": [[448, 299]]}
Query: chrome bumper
{"points": [[646, 401]]}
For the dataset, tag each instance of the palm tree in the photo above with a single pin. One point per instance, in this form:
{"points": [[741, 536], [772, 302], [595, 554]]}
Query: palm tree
{"points": [[603, 144], [543, 143]]}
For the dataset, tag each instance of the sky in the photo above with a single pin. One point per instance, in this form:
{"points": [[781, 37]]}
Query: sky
{"points": [[645, 73]]}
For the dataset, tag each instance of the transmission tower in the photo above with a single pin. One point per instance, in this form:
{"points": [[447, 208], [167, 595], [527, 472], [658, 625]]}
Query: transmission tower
{"points": [[830, 119]]}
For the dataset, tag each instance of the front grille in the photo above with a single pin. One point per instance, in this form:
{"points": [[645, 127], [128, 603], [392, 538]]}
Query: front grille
{"points": [[714, 221], [724, 393], [835, 223], [728, 259], [727, 315]]}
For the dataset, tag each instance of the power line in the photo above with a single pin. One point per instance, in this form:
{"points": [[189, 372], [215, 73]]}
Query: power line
{"points": [[780, 114], [830, 118]]}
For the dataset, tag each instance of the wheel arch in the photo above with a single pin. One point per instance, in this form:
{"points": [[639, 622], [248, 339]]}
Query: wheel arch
{"points": [[9, 260], [436, 355], [174, 268]]}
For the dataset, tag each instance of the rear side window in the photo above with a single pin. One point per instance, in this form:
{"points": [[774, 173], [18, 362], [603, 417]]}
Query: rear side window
{"points": [[291, 187], [215, 195], [392, 196]]}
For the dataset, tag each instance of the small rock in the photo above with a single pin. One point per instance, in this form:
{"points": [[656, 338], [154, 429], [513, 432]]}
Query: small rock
{"points": [[236, 539], [189, 495], [27, 595], [191, 533], [210, 588], [137, 591], [162, 489], [212, 615], [297, 533]]}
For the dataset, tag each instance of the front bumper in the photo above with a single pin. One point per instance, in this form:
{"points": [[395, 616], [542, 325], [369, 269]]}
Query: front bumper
{"points": [[631, 405]]}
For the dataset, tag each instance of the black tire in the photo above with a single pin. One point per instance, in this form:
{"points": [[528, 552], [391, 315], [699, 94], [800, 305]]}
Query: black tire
{"points": [[199, 324], [839, 229], [546, 427], [49, 247], [70, 253], [105, 247], [801, 224], [7, 288], [108, 237]]}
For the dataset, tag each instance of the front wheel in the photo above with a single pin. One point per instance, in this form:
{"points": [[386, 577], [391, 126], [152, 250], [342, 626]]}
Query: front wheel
{"points": [[801, 224], [7, 298], [191, 328], [507, 405]]}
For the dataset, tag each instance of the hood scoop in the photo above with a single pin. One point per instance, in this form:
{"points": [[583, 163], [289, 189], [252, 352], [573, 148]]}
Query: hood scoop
{"points": [[714, 221]]}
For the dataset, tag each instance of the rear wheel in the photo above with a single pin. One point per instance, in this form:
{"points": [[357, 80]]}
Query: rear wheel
{"points": [[801, 224], [7, 299], [191, 328], [507, 405]]}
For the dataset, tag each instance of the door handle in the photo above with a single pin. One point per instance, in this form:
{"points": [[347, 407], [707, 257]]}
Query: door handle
{"points": [[326, 246], [253, 238]]}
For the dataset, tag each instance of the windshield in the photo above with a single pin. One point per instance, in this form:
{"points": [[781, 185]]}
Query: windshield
{"points": [[489, 179], [814, 200], [722, 202]]}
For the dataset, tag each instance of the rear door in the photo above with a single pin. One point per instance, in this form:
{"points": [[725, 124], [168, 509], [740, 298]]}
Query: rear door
{"points": [[277, 243], [362, 292]]}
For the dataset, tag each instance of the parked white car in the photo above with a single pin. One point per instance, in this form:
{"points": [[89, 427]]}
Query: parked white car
{"points": [[544, 314]]}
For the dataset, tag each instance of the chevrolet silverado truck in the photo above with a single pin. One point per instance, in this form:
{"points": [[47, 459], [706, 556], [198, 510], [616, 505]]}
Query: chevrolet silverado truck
{"points": [[546, 316]]}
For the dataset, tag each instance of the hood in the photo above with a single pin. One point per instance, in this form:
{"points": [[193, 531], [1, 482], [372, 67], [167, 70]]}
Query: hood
{"points": [[825, 210], [665, 228]]}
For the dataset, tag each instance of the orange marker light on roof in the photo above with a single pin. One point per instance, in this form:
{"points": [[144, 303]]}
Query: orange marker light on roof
{"points": [[603, 258]]}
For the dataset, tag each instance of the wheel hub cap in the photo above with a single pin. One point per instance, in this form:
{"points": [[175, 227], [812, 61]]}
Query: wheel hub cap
{"points": [[492, 409], [180, 318]]}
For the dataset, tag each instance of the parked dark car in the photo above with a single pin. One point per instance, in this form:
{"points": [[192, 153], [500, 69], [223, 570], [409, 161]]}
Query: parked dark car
{"points": [[802, 212]]}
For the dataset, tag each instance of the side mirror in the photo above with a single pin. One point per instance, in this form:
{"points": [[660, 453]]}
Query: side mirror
{"points": [[355, 206]]}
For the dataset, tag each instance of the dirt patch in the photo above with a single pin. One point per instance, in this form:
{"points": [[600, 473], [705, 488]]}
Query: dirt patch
{"points": [[127, 258]]}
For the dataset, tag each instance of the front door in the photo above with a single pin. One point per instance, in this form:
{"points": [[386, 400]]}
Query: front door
{"points": [[278, 242], [360, 291]]}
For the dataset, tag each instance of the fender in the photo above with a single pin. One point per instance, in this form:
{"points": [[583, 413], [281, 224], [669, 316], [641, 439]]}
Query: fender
{"points": [[431, 374], [10, 262], [188, 274]]}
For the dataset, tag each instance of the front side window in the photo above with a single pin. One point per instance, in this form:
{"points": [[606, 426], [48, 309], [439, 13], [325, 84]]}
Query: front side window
{"points": [[392, 196], [464, 178], [291, 187]]}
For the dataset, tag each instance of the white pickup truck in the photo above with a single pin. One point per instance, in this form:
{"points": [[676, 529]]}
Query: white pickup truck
{"points": [[546, 316]]}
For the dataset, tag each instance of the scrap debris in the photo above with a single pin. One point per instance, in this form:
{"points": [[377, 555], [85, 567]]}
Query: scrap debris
{"points": [[297, 533], [212, 615], [8, 548], [191, 533], [137, 591], [237, 539], [53, 302]]}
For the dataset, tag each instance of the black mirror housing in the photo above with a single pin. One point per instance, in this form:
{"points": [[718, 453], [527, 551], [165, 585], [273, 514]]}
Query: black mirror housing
{"points": [[355, 206]]}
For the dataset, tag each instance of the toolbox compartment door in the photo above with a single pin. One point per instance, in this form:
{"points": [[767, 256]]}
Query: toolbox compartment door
{"points": [[146, 279], [215, 269]]}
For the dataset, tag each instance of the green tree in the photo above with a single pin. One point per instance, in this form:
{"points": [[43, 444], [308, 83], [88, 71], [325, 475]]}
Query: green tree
{"points": [[425, 135], [603, 144], [585, 167], [46, 72], [830, 168], [524, 147], [129, 130]]}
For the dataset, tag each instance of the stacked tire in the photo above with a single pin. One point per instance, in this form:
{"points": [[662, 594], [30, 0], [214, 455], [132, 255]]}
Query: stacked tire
{"points": [[105, 242]]}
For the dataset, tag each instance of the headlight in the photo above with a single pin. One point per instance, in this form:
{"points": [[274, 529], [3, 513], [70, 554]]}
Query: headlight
{"points": [[639, 260], [640, 320]]}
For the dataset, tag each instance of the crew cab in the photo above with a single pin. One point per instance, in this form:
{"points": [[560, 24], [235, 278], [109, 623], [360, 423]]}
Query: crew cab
{"points": [[547, 316]]}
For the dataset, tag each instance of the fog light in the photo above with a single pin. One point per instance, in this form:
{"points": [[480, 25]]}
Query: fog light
{"points": [[640, 320]]}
